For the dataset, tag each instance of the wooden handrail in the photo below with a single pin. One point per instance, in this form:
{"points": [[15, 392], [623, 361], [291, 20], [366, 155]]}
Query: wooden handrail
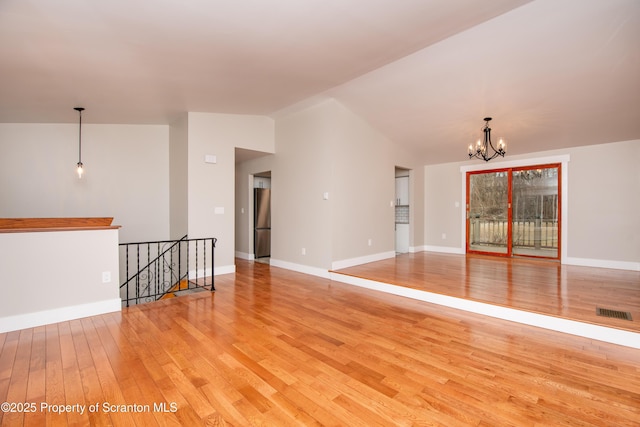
{"points": [[8, 225]]}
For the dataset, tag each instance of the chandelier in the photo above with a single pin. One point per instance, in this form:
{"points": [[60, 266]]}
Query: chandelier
{"points": [[484, 149]]}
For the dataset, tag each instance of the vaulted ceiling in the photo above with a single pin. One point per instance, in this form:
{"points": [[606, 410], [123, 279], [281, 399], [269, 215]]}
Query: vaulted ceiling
{"points": [[551, 73]]}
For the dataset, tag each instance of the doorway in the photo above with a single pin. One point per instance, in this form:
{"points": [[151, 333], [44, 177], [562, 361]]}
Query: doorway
{"points": [[262, 216], [514, 211], [402, 210]]}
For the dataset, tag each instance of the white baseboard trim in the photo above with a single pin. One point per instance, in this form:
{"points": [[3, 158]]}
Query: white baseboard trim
{"points": [[300, 268], [63, 314], [583, 262], [444, 249], [225, 269], [586, 330], [245, 256], [589, 262], [345, 263]]}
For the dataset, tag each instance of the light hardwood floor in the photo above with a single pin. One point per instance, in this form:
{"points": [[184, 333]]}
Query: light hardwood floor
{"points": [[539, 286], [275, 347]]}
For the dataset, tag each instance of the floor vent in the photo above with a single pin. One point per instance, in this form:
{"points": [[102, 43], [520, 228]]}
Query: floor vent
{"points": [[624, 315]]}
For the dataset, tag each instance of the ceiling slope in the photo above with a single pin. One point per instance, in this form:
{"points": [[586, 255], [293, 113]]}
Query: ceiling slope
{"points": [[423, 72]]}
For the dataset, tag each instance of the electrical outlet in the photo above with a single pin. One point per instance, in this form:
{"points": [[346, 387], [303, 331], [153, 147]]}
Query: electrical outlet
{"points": [[444, 236], [370, 242], [304, 251], [106, 277]]}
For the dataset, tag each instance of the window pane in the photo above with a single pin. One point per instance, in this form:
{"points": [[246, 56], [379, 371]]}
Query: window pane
{"points": [[535, 212], [488, 212]]}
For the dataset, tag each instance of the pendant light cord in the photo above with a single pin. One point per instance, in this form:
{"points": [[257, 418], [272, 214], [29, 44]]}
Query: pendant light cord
{"points": [[80, 137]]}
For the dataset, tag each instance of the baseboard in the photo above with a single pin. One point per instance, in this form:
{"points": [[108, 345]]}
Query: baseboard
{"points": [[572, 327], [225, 269], [245, 256], [337, 265], [583, 262], [63, 314], [444, 249], [300, 268], [602, 263]]}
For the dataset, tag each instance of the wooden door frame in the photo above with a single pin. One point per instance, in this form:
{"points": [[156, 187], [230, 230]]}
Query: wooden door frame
{"points": [[467, 219], [509, 170]]}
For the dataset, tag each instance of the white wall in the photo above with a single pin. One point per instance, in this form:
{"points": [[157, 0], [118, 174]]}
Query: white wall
{"points": [[300, 175], [326, 148], [56, 276], [603, 201], [126, 175], [211, 188], [131, 176], [363, 182], [443, 205], [178, 174], [364, 174]]}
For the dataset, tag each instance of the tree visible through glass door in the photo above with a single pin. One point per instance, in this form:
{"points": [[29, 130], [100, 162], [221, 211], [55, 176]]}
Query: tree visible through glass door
{"points": [[488, 214], [535, 212]]}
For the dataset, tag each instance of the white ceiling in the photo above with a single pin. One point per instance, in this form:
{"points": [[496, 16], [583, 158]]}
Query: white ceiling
{"points": [[552, 73]]}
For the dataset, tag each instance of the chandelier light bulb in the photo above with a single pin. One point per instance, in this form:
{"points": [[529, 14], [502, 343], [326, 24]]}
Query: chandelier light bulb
{"points": [[80, 170], [502, 145]]}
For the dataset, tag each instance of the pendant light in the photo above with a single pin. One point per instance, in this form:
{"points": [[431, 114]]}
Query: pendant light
{"points": [[80, 166]]}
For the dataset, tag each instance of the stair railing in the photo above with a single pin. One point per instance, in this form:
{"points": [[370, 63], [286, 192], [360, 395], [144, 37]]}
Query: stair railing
{"points": [[154, 269]]}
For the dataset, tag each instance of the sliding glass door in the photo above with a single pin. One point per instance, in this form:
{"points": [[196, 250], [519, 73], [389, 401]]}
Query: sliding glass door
{"points": [[488, 212], [535, 211], [514, 211]]}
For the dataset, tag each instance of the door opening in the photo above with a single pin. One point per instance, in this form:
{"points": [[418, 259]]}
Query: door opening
{"points": [[262, 216], [515, 211], [402, 210]]}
